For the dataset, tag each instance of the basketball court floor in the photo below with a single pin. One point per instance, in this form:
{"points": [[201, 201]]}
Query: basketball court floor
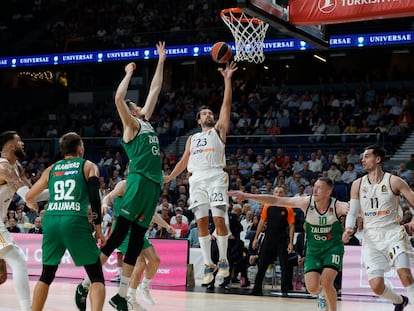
{"points": [[61, 298]]}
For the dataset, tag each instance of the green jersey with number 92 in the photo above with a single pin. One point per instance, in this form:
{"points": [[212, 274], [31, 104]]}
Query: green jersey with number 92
{"points": [[68, 189]]}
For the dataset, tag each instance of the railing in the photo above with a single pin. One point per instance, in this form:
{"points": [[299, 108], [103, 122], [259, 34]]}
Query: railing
{"points": [[291, 143]]}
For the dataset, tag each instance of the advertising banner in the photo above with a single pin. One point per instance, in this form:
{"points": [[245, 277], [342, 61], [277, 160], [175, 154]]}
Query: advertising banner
{"points": [[321, 12], [172, 271]]}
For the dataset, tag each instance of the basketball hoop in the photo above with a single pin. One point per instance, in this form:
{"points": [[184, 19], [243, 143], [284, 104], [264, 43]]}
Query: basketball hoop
{"points": [[248, 32]]}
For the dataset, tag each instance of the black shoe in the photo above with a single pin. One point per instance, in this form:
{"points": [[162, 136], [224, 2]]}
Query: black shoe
{"points": [[285, 295], [255, 292], [401, 306]]}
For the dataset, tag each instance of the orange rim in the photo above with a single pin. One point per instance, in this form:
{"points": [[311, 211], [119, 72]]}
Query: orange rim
{"points": [[226, 14]]}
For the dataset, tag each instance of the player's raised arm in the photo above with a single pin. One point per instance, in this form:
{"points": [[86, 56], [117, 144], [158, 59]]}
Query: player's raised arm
{"points": [[225, 110], [156, 83]]}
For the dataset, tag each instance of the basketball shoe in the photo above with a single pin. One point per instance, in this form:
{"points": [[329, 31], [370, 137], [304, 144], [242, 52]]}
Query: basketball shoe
{"points": [[80, 297], [209, 274], [145, 294]]}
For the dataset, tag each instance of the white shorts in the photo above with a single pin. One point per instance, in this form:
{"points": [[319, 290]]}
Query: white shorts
{"points": [[5, 237], [209, 189], [382, 245]]}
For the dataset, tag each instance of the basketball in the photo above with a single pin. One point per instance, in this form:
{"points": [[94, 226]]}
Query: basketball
{"points": [[221, 52]]}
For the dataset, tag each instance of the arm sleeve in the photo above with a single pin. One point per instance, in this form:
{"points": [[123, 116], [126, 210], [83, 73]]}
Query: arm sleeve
{"points": [[354, 207], [93, 188]]}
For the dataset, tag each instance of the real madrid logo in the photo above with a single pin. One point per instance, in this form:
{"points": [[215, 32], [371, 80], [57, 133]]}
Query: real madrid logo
{"points": [[383, 188], [364, 189]]}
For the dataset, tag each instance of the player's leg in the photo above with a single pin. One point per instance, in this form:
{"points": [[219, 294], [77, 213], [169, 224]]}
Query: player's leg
{"points": [[327, 282], [97, 287], [153, 262], [18, 264], [41, 290], [217, 193]]}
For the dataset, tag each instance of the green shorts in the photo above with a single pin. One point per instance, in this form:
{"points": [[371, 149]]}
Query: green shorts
{"points": [[72, 233], [328, 258], [140, 199]]}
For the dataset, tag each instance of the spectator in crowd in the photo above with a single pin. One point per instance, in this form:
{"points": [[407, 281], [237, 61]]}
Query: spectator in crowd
{"points": [[12, 225], [410, 163], [318, 130], [349, 175], [403, 172], [352, 156], [350, 129], [315, 165], [334, 174], [37, 228], [360, 230], [180, 227]]}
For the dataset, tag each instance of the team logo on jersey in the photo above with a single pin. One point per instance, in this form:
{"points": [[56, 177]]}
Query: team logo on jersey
{"points": [[364, 189], [331, 210], [384, 188]]}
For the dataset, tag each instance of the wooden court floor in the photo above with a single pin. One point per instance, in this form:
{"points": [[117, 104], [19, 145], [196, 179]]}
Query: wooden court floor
{"points": [[62, 291]]}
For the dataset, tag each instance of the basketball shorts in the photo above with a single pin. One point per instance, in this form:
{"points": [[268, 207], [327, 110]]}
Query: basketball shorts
{"points": [[72, 233], [382, 245], [140, 199], [208, 189], [328, 258]]}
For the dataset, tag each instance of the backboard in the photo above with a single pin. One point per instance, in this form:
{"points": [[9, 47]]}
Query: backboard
{"points": [[278, 17]]}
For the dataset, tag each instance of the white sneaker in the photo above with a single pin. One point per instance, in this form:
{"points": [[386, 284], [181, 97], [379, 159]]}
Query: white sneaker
{"points": [[133, 305], [223, 268], [223, 271], [322, 302], [146, 295], [209, 274]]}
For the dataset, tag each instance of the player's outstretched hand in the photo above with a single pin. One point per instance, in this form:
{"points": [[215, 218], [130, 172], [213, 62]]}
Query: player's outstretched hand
{"points": [[130, 68], [228, 71], [162, 52]]}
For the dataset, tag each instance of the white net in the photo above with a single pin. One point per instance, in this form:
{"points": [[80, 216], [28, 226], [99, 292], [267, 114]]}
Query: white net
{"points": [[249, 34]]}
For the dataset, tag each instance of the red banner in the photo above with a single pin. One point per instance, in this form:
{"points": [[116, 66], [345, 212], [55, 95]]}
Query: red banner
{"points": [[321, 12], [172, 270]]}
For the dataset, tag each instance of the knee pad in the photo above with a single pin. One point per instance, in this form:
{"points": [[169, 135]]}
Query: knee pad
{"points": [[375, 274], [219, 211], [117, 235], [48, 274], [402, 261], [94, 272], [136, 242]]}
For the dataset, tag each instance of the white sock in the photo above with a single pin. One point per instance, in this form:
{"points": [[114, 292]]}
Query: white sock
{"points": [[390, 294], [123, 286], [119, 271], [131, 292], [145, 282], [410, 292], [86, 282], [205, 245], [222, 244]]}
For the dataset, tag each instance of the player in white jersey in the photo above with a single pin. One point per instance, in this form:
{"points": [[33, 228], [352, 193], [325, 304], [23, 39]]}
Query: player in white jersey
{"points": [[377, 196], [204, 159], [12, 180]]}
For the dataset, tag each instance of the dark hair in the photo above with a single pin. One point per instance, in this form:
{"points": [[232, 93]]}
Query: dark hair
{"points": [[69, 143], [128, 102], [327, 180], [377, 151], [199, 110], [5, 137]]}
